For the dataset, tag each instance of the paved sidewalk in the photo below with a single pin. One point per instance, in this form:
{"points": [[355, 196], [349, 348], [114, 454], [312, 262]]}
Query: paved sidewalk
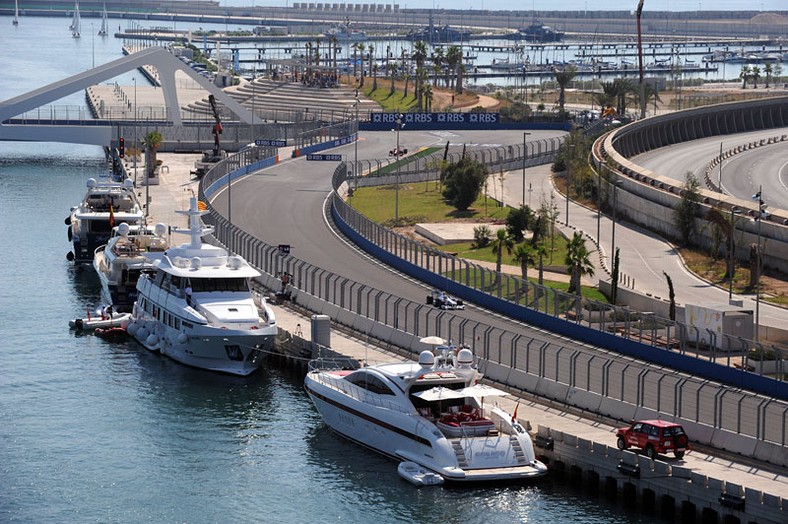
{"points": [[644, 256]]}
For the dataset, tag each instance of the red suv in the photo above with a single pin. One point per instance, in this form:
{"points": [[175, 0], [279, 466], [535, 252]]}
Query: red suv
{"points": [[654, 436]]}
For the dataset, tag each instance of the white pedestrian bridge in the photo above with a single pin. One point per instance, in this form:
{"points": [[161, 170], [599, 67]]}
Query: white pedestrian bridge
{"points": [[16, 124]]}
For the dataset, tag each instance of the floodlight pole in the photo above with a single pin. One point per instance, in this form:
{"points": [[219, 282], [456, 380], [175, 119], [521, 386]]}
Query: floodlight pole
{"points": [[525, 155]]}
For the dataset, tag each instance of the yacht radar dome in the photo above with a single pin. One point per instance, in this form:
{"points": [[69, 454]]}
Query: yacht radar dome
{"points": [[426, 359]]}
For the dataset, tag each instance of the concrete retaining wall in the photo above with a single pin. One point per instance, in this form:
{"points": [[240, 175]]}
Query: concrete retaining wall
{"points": [[671, 487]]}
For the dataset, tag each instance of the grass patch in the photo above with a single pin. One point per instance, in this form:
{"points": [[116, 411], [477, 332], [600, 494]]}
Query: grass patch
{"points": [[421, 202], [392, 168], [773, 289], [555, 256], [545, 303], [390, 102]]}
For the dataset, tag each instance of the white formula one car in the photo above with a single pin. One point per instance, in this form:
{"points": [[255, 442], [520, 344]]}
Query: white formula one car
{"points": [[442, 300]]}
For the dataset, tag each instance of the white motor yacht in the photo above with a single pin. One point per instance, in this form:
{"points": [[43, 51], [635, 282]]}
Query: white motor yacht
{"points": [[197, 307], [120, 261], [104, 206], [431, 412]]}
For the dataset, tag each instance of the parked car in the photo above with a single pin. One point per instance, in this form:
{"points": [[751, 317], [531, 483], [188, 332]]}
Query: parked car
{"points": [[654, 437], [442, 300]]}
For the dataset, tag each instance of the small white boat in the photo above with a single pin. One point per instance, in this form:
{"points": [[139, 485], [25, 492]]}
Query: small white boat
{"points": [[418, 475], [103, 320], [76, 23], [104, 22]]}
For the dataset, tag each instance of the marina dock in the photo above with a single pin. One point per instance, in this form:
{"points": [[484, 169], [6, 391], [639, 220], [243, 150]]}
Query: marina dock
{"points": [[576, 448]]}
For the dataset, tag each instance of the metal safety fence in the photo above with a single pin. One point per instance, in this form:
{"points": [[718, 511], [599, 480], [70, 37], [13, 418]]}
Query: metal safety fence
{"points": [[590, 378]]}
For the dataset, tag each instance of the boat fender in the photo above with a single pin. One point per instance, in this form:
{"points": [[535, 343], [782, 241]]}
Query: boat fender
{"points": [[142, 333], [132, 328], [182, 338], [70, 256], [152, 340], [68, 221]]}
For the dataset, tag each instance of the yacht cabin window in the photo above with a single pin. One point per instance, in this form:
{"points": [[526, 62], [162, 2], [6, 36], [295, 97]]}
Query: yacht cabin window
{"points": [[370, 383], [202, 285]]}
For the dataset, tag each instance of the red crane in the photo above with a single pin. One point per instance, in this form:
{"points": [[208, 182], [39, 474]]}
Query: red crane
{"points": [[217, 127]]}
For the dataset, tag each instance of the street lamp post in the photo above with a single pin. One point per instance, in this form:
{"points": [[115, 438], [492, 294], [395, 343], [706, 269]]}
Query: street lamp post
{"points": [[615, 215], [731, 254], [569, 150], [525, 156], [397, 155], [760, 214], [355, 152], [599, 201], [719, 175], [135, 137]]}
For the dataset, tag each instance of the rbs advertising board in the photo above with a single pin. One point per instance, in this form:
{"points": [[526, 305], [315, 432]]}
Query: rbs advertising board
{"points": [[433, 121]]}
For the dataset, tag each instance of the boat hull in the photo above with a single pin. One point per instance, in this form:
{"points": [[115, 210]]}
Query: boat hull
{"points": [[236, 352], [87, 324], [417, 475]]}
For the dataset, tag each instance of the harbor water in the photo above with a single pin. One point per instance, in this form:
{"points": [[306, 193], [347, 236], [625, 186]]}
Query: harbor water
{"points": [[98, 431]]}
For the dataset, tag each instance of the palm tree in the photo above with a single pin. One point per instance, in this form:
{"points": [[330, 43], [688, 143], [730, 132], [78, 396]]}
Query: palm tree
{"points": [[453, 59], [502, 242], [745, 74], [428, 98], [361, 48], [333, 44], [541, 251], [392, 71], [375, 76], [607, 98], [419, 56], [756, 75], [438, 58], [650, 93], [405, 72], [371, 58], [525, 254], [421, 82], [563, 77], [308, 47], [578, 260], [768, 70], [622, 88], [151, 141]]}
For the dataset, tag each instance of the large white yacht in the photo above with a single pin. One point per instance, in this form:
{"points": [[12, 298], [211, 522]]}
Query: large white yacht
{"points": [[130, 249], [104, 206], [431, 412], [197, 307]]}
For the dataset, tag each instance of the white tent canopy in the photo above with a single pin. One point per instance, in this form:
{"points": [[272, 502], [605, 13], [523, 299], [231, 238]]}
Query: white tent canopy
{"points": [[482, 390], [439, 393]]}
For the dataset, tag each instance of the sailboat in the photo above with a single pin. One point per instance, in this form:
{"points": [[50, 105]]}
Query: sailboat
{"points": [[16, 13], [104, 22], [76, 22]]}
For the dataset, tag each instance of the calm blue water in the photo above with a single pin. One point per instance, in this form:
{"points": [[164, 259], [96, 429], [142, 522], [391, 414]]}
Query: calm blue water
{"points": [[93, 431]]}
